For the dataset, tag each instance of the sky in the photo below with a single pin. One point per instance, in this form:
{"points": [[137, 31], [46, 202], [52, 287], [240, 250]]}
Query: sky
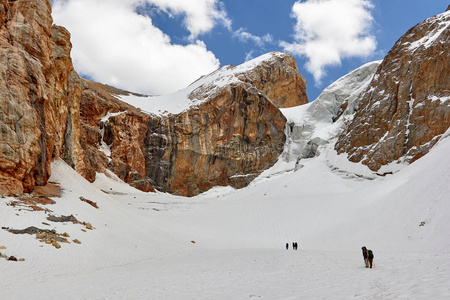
{"points": [[157, 47]]}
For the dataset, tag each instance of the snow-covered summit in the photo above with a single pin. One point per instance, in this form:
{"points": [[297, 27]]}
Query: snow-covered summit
{"points": [[206, 86]]}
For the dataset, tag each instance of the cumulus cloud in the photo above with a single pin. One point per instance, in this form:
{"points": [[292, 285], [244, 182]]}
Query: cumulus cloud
{"points": [[328, 31], [200, 15], [114, 44]]}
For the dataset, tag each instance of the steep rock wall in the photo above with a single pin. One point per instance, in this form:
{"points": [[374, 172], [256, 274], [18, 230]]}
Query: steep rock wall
{"points": [[407, 105], [228, 140], [35, 67]]}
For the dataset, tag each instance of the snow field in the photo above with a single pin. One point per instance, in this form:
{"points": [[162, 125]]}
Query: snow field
{"points": [[141, 247]]}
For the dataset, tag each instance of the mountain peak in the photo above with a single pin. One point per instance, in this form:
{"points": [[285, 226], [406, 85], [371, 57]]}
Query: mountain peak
{"points": [[267, 73], [273, 74]]}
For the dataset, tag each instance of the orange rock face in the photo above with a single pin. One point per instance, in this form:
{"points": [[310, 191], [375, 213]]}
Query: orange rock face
{"points": [[126, 135], [95, 103], [229, 137], [279, 79], [40, 96], [407, 106], [228, 140], [32, 94]]}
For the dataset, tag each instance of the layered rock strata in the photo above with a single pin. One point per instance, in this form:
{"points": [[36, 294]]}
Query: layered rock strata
{"points": [[407, 105]]}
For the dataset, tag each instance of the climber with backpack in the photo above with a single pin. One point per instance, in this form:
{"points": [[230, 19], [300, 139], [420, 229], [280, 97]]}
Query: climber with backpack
{"points": [[370, 257]]}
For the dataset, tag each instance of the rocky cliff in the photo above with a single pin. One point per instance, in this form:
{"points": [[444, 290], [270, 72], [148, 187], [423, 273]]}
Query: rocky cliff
{"points": [[35, 99], [229, 133], [228, 140], [276, 75], [224, 129], [406, 108]]}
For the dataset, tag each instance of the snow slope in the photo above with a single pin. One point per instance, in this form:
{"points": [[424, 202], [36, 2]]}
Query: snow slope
{"points": [[141, 247]]}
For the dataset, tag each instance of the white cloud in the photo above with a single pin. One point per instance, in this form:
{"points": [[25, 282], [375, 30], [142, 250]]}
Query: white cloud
{"points": [[200, 15], [246, 37], [328, 31], [114, 44]]}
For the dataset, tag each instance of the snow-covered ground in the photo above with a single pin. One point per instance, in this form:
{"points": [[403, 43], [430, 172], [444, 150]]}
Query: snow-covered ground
{"points": [[230, 244]]}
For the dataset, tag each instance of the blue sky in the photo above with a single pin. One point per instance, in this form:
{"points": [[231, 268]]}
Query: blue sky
{"points": [[160, 46]]}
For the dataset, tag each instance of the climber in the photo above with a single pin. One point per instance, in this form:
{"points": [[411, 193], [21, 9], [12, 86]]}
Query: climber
{"points": [[366, 256], [370, 257]]}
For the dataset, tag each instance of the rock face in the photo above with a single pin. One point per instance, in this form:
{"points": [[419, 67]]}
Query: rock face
{"points": [[96, 101], [228, 140], [127, 140], [35, 98], [276, 75], [228, 136], [41, 100], [407, 105]]}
